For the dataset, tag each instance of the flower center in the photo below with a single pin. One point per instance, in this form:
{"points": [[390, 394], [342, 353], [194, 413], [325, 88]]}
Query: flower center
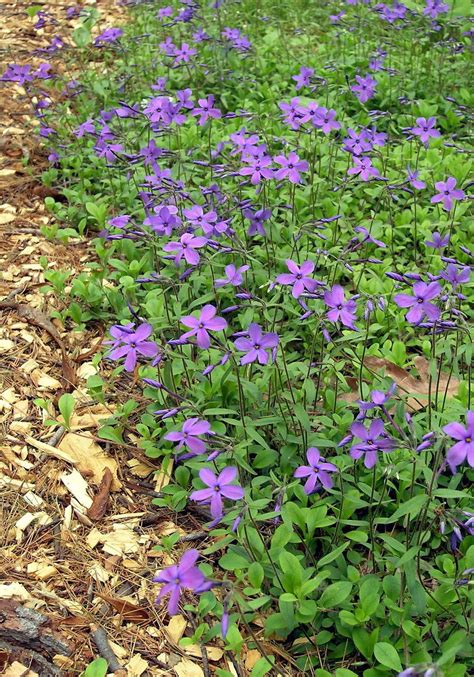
{"points": [[339, 307], [419, 300], [468, 440]]}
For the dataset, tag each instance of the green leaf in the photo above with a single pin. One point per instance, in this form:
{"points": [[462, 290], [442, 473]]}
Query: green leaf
{"points": [[411, 507], [98, 668], [332, 555], [255, 574], [387, 655], [66, 405], [335, 594]]}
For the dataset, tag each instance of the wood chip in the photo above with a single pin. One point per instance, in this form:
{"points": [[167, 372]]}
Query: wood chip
{"points": [[90, 457]]}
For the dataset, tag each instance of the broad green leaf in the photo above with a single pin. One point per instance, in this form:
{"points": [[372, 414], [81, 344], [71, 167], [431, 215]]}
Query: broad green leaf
{"points": [[387, 655]]}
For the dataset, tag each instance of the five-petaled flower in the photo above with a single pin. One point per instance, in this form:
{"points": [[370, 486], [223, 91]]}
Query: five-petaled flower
{"points": [[200, 326], [233, 276], [425, 129], [420, 303], [317, 471], [184, 575], [373, 439], [189, 435], [291, 167], [130, 342], [298, 278], [186, 248], [447, 193], [218, 488], [340, 309], [256, 345], [464, 448]]}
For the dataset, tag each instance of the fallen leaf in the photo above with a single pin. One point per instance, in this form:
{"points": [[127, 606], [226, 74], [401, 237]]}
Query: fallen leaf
{"points": [[17, 669], [14, 591], [252, 657], [186, 668], [136, 666], [77, 486], [99, 503], [121, 541], [176, 627], [132, 613], [213, 652], [90, 457]]}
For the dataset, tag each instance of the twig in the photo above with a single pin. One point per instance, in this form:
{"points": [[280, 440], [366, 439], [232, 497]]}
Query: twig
{"points": [[195, 536], [205, 661], [56, 437], [102, 643]]}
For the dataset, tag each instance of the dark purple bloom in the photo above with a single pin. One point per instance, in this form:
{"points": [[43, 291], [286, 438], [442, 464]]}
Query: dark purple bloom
{"points": [[218, 488], [420, 303], [303, 79], [180, 576], [165, 221], [317, 471], [425, 129], [377, 399], [291, 167], [257, 219], [189, 435], [233, 276], [340, 309], [298, 278], [447, 193], [464, 448], [200, 326], [86, 127], [130, 343], [186, 248], [256, 345], [373, 439], [367, 237], [183, 54]]}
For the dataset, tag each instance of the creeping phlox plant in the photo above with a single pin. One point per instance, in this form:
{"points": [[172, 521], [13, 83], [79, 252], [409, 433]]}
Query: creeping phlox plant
{"points": [[279, 196]]}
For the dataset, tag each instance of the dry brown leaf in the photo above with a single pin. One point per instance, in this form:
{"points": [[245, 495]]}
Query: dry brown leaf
{"points": [[252, 657], [186, 668], [90, 457], [121, 541], [17, 669], [101, 499], [132, 613], [176, 627], [136, 666]]}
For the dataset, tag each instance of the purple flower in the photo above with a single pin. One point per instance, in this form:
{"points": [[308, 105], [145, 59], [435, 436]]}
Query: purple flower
{"points": [[201, 219], [367, 237], [373, 440], [180, 576], [414, 180], [189, 434], [256, 345], [365, 87], [186, 248], [206, 110], [303, 79], [130, 343], [183, 54], [363, 169], [447, 193], [340, 309], [316, 472], [464, 448], [165, 221], [456, 276], [257, 219], [291, 167], [377, 399], [108, 36], [257, 168], [218, 488], [420, 303], [425, 129], [326, 120], [86, 127], [233, 276], [438, 242], [298, 278], [207, 321]]}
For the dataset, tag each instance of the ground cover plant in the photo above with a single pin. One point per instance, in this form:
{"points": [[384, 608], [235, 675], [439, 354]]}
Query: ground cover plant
{"points": [[279, 199]]}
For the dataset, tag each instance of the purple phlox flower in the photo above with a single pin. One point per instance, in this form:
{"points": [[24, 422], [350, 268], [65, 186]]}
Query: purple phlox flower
{"points": [[377, 399], [233, 276], [200, 35], [206, 110], [303, 79], [374, 439], [373, 136], [357, 143], [108, 151], [186, 248], [184, 575], [340, 309], [434, 8], [438, 241], [189, 435], [420, 303], [291, 167], [86, 127], [455, 275], [365, 87], [414, 180], [165, 12], [257, 168], [159, 109], [108, 36], [164, 221], [464, 448], [200, 326], [367, 237], [447, 193], [17, 73], [292, 113], [151, 152], [298, 278], [325, 120], [257, 219], [317, 471], [130, 343], [201, 219], [119, 221], [243, 142], [392, 13], [218, 488], [184, 53], [256, 345], [363, 169], [425, 129]]}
